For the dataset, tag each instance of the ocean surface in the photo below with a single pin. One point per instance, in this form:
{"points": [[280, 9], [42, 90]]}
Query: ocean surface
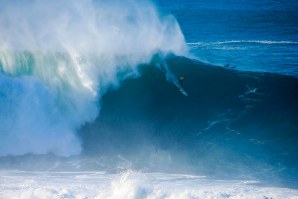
{"points": [[250, 35], [149, 99]]}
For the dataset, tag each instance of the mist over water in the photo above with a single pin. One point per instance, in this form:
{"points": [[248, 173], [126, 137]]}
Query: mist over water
{"points": [[57, 58]]}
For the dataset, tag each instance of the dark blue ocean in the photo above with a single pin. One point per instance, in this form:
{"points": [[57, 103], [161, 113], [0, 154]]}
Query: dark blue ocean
{"points": [[256, 35]]}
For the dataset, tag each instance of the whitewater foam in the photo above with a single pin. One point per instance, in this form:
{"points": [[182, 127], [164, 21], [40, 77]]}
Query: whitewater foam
{"points": [[57, 58], [129, 185]]}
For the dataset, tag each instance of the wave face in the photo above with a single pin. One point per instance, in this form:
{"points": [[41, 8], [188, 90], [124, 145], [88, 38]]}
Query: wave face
{"points": [[57, 58], [231, 122]]}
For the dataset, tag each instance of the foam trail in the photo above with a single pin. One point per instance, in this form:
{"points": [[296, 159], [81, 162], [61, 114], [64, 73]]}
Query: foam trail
{"points": [[57, 58]]}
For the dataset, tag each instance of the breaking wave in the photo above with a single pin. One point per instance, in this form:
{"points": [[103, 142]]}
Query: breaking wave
{"points": [[169, 113], [57, 58]]}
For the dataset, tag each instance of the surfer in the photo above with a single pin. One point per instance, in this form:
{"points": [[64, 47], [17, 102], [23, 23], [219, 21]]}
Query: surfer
{"points": [[163, 66], [228, 66], [181, 78]]}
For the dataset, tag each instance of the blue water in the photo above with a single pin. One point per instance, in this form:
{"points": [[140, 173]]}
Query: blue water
{"points": [[257, 35], [101, 85]]}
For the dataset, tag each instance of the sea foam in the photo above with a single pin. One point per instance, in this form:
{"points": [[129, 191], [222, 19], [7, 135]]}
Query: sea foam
{"points": [[131, 185]]}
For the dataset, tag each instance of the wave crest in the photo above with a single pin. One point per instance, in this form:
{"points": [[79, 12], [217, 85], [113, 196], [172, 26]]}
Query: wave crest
{"points": [[57, 58]]}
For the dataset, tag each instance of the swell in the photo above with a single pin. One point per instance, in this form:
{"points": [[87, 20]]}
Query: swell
{"points": [[267, 42], [231, 122]]}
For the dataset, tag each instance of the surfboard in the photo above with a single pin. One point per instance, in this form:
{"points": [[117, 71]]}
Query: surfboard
{"points": [[181, 89]]}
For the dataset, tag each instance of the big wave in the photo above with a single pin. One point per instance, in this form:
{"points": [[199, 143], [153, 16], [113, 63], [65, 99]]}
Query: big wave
{"points": [[57, 58], [59, 71], [232, 123]]}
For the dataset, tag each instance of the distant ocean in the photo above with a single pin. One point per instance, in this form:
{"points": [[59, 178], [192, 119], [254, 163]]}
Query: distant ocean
{"points": [[250, 35], [148, 99]]}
